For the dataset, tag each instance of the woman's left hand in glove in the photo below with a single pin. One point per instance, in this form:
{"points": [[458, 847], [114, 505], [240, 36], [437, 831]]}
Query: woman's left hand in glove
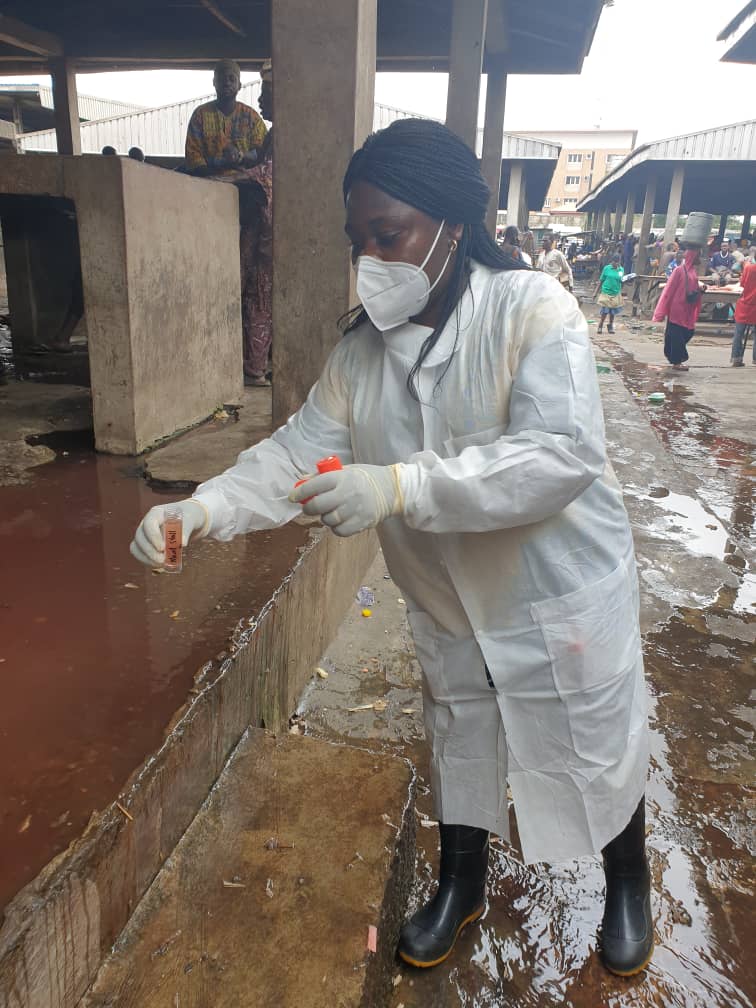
{"points": [[352, 499]]}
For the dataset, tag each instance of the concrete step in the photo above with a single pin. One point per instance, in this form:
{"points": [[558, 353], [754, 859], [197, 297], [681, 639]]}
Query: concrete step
{"points": [[266, 901]]}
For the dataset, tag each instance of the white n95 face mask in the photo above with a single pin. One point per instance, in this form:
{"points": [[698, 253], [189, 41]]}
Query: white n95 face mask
{"points": [[394, 292]]}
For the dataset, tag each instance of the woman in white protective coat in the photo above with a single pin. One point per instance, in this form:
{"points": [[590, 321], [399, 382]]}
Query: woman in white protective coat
{"points": [[464, 403]]}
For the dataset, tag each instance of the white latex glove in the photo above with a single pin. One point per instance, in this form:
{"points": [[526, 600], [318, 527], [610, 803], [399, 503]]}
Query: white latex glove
{"points": [[147, 544], [352, 499]]}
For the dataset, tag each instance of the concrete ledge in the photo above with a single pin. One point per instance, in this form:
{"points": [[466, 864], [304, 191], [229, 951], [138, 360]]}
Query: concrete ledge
{"points": [[230, 921], [57, 930]]}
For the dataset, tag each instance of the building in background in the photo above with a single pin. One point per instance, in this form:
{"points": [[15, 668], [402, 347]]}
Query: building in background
{"points": [[586, 157]]}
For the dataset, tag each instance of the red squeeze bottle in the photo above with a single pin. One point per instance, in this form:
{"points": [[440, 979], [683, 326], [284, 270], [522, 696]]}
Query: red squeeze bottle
{"points": [[329, 464]]}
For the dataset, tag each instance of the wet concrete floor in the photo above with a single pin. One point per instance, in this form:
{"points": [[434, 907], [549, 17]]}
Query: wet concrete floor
{"points": [[689, 480], [98, 653]]}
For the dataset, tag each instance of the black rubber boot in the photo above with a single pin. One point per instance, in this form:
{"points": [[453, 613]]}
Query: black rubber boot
{"points": [[627, 929], [429, 935]]}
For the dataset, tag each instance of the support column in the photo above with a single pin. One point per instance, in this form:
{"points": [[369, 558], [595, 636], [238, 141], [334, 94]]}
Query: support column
{"points": [[493, 138], [515, 193], [745, 231], [18, 125], [607, 222], [66, 104], [722, 226], [331, 45], [465, 64], [673, 206], [629, 213], [618, 217], [648, 214], [523, 217]]}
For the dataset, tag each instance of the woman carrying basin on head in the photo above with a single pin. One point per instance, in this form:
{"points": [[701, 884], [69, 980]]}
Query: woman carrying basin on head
{"points": [[464, 403]]}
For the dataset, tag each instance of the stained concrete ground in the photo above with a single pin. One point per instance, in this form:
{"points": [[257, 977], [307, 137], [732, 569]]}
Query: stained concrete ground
{"points": [[688, 474], [268, 899]]}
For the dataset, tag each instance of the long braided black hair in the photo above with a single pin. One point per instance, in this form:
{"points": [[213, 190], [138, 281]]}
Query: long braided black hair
{"points": [[424, 164]]}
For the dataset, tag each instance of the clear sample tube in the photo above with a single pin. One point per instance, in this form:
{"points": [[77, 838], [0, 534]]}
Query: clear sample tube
{"points": [[172, 535]]}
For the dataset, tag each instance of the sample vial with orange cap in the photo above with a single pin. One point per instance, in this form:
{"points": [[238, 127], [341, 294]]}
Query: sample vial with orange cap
{"points": [[172, 539], [331, 463]]}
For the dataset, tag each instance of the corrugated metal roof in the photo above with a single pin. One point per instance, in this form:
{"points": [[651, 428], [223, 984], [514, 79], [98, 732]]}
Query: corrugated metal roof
{"points": [[89, 106], [162, 131], [722, 143]]}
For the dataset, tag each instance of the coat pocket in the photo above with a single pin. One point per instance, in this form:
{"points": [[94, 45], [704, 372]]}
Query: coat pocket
{"points": [[593, 641]]}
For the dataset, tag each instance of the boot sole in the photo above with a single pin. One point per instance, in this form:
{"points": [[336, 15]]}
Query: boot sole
{"points": [[434, 962], [632, 972]]}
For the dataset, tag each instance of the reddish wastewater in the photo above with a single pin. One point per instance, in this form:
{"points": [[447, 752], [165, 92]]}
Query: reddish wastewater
{"points": [[96, 651]]}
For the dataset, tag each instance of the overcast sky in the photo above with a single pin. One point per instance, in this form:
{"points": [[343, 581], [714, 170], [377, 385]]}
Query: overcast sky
{"points": [[654, 66]]}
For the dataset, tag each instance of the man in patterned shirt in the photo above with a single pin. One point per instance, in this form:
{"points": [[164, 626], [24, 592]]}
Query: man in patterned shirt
{"points": [[224, 134], [224, 140]]}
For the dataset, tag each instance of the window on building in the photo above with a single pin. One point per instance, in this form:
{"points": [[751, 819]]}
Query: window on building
{"points": [[574, 158], [547, 202], [572, 180], [570, 201], [612, 160]]}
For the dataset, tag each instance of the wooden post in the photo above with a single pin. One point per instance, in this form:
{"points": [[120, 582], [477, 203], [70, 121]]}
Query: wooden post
{"points": [[331, 45], [66, 103], [674, 204], [630, 213], [618, 217], [648, 213], [465, 64], [493, 137]]}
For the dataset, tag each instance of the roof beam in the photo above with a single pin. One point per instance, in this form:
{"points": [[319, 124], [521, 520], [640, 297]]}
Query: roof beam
{"points": [[30, 39], [217, 13]]}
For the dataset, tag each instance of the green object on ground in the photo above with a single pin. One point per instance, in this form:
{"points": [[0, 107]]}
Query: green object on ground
{"points": [[657, 397], [603, 368]]}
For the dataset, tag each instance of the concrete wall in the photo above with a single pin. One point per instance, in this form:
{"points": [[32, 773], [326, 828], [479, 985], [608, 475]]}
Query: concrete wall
{"points": [[161, 278], [60, 927]]}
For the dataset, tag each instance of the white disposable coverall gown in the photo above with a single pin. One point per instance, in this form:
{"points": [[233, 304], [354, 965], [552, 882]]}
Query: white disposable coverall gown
{"points": [[514, 553]]}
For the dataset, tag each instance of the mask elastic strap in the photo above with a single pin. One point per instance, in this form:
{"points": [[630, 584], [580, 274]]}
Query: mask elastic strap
{"points": [[424, 263]]}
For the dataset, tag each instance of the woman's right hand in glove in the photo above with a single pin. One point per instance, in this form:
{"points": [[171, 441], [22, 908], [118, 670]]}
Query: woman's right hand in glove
{"points": [[147, 546]]}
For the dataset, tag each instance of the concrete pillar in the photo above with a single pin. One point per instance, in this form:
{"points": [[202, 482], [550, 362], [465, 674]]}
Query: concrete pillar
{"points": [[745, 231], [607, 222], [18, 125], [675, 201], [465, 64], [617, 227], [629, 213], [66, 104], [648, 214], [331, 45], [722, 226], [515, 194], [493, 137], [523, 217]]}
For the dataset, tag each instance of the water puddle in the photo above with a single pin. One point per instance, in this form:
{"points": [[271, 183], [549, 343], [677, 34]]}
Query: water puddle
{"points": [[97, 653]]}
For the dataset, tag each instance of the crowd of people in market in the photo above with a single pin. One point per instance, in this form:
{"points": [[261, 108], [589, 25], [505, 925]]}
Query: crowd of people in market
{"points": [[688, 271]]}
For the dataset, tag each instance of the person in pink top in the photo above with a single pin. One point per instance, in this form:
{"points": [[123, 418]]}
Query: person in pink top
{"points": [[680, 304], [745, 315]]}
